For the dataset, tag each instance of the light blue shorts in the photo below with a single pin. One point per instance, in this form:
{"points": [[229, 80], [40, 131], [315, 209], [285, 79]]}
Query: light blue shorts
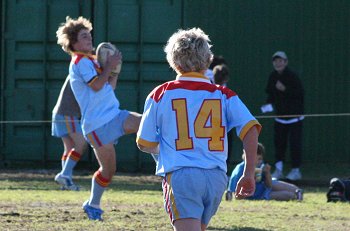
{"points": [[193, 193], [62, 125], [108, 133]]}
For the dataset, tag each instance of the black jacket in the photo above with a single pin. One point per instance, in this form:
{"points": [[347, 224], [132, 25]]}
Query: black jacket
{"points": [[290, 101]]}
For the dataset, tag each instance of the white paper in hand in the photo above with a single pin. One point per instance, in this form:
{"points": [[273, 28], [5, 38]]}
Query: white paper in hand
{"points": [[266, 108]]}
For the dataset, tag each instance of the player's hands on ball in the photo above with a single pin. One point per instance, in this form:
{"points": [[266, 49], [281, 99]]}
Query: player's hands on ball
{"points": [[245, 187], [109, 57], [114, 60]]}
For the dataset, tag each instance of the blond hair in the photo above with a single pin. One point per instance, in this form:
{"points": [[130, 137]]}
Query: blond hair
{"points": [[67, 32], [189, 50]]}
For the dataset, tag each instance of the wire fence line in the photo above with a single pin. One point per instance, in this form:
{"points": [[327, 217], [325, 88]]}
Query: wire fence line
{"points": [[305, 115], [258, 117]]}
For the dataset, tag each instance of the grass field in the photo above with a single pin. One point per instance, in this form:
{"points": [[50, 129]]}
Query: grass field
{"points": [[30, 200]]}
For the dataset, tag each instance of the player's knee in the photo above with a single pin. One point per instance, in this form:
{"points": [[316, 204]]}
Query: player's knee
{"points": [[130, 129], [108, 173], [111, 174], [131, 124]]}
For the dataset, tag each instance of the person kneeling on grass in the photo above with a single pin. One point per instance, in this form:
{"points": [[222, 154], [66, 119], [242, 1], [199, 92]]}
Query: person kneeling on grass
{"points": [[265, 187]]}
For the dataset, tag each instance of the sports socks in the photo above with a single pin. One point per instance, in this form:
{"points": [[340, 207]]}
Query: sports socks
{"points": [[72, 160], [99, 184], [64, 158]]}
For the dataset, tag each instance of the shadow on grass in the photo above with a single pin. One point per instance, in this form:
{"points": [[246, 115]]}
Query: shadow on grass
{"points": [[121, 182], [309, 182], [44, 180], [237, 229]]}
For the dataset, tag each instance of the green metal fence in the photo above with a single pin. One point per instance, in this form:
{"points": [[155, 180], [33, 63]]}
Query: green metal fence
{"points": [[315, 34]]}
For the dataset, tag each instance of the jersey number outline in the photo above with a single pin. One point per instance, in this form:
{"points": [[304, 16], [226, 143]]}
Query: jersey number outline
{"points": [[208, 124]]}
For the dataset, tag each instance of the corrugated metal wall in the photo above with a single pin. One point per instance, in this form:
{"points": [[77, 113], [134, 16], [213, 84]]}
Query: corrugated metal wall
{"points": [[35, 67], [314, 33], [134, 26], [32, 72], [316, 36]]}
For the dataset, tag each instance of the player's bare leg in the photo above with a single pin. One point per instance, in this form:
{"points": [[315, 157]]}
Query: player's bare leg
{"points": [[187, 224], [80, 144], [283, 186], [77, 146], [106, 158], [131, 124]]}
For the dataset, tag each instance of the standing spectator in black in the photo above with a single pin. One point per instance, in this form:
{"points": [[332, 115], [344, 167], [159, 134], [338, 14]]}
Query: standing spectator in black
{"points": [[285, 94]]}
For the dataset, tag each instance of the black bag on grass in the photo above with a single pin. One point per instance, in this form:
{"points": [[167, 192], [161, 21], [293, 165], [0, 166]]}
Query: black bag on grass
{"points": [[339, 190]]}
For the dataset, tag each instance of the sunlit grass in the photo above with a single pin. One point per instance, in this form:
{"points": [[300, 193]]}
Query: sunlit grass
{"points": [[134, 202]]}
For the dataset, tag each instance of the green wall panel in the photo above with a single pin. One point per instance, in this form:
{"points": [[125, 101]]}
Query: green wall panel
{"points": [[34, 70], [316, 36], [39, 67], [314, 33]]}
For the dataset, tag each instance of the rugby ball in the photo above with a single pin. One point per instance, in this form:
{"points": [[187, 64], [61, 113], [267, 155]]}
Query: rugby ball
{"points": [[104, 50]]}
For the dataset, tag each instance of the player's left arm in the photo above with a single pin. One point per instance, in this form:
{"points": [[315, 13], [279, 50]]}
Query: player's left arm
{"points": [[112, 80], [246, 184], [150, 150]]}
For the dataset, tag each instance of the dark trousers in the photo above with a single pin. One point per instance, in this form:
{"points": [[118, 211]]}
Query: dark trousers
{"points": [[292, 134]]}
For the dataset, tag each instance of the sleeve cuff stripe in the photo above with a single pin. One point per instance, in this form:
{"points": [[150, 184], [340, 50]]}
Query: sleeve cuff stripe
{"points": [[146, 143], [248, 126]]}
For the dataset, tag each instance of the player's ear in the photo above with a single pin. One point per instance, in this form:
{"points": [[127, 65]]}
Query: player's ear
{"points": [[178, 70]]}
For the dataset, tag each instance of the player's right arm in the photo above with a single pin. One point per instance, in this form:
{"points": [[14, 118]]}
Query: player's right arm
{"points": [[99, 81]]}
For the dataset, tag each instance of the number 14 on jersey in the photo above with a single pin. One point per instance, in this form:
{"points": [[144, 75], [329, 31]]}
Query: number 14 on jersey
{"points": [[207, 125]]}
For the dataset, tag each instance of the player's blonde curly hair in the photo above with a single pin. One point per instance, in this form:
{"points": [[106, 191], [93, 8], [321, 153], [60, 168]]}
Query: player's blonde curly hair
{"points": [[189, 50], [67, 33]]}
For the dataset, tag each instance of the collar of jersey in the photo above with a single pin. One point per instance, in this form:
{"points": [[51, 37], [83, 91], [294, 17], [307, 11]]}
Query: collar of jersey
{"points": [[84, 54], [193, 76]]}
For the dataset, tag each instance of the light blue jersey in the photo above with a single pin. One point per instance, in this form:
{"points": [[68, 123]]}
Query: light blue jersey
{"points": [[189, 118], [97, 107]]}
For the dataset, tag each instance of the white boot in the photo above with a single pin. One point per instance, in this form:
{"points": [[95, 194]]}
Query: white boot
{"points": [[294, 174], [277, 174]]}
